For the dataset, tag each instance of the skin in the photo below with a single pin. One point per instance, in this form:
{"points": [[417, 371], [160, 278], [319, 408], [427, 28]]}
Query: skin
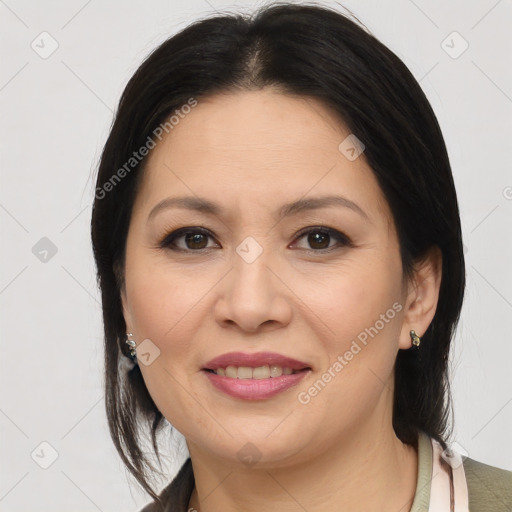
{"points": [[252, 152]]}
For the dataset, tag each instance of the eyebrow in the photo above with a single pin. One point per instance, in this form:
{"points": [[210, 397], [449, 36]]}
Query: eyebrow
{"points": [[207, 207]]}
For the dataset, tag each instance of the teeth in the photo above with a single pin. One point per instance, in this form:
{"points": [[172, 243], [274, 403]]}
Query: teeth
{"points": [[276, 371], [262, 372], [232, 371], [246, 372]]}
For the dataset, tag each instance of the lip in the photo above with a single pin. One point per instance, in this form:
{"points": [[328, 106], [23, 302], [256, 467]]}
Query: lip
{"points": [[254, 361], [255, 389]]}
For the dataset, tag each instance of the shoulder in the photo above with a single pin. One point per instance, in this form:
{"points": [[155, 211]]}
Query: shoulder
{"points": [[175, 497], [489, 487]]}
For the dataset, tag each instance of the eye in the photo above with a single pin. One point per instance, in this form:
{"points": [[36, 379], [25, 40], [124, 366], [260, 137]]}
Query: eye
{"points": [[319, 238], [195, 239]]}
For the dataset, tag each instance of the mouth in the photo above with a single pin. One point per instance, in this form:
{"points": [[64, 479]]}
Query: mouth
{"points": [[257, 376], [253, 387], [261, 365], [257, 373]]}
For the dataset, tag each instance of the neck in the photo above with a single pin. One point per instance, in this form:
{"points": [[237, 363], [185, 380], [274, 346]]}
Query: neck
{"points": [[368, 471]]}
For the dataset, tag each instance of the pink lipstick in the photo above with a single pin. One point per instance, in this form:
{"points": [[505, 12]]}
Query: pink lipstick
{"points": [[254, 376]]}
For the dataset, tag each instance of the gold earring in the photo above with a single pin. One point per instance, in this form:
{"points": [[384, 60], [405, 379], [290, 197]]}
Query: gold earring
{"points": [[416, 340]]}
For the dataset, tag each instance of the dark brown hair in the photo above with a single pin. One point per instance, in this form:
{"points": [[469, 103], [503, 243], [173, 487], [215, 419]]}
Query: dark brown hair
{"points": [[309, 51]]}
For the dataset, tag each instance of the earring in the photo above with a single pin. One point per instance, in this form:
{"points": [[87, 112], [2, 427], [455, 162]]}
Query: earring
{"points": [[132, 345], [416, 340]]}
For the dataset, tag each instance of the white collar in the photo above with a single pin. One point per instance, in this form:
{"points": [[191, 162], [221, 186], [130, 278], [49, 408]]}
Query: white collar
{"points": [[448, 490]]}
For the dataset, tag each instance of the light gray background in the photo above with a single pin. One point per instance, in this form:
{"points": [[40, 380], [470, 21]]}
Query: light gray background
{"points": [[56, 113]]}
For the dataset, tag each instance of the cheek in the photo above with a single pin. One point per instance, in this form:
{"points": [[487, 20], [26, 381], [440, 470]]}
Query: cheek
{"points": [[167, 310], [360, 349], [165, 307], [357, 318], [347, 302]]}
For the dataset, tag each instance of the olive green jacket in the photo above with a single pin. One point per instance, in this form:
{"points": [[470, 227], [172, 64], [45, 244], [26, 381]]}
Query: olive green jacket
{"points": [[489, 488]]}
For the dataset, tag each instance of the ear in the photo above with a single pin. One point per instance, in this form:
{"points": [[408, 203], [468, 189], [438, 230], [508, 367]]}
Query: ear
{"points": [[422, 296], [119, 274], [118, 270], [126, 310]]}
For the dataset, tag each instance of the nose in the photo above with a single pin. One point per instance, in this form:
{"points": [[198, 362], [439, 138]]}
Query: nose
{"points": [[253, 296]]}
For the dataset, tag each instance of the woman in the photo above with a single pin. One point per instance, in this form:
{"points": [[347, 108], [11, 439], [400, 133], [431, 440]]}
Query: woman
{"points": [[279, 250]]}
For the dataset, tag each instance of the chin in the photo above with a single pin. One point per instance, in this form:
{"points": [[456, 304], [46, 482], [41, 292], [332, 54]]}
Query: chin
{"points": [[257, 449]]}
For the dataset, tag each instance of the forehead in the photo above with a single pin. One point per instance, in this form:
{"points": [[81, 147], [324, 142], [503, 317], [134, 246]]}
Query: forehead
{"points": [[257, 145], [265, 122]]}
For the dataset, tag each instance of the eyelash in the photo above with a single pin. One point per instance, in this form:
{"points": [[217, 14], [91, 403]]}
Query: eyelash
{"points": [[169, 240]]}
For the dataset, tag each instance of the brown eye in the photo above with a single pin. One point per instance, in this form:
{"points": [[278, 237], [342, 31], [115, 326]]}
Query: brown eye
{"points": [[320, 238], [193, 239]]}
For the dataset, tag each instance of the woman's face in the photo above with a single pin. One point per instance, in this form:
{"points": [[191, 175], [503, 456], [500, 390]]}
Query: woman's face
{"points": [[250, 278]]}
